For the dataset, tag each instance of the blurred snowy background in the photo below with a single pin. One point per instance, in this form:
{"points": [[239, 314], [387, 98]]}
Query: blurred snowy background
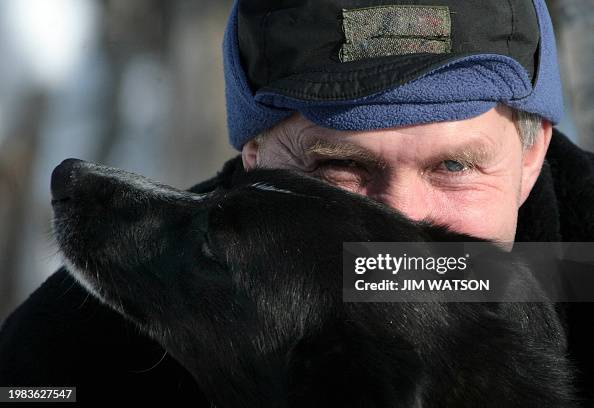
{"points": [[138, 84]]}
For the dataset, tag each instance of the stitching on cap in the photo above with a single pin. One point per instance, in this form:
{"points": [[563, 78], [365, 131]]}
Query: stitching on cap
{"points": [[513, 18], [265, 45]]}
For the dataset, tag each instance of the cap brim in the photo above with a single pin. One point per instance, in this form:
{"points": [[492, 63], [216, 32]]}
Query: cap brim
{"points": [[358, 79], [444, 90], [370, 117]]}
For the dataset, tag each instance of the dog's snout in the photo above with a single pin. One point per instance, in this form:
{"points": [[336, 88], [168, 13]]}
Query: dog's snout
{"points": [[62, 178], [82, 187]]}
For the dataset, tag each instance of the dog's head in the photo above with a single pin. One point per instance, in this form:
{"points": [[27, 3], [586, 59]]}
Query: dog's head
{"points": [[240, 280], [242, 285]]}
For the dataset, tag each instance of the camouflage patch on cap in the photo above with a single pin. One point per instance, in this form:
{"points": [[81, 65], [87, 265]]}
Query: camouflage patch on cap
{"points": [[395, 30]]}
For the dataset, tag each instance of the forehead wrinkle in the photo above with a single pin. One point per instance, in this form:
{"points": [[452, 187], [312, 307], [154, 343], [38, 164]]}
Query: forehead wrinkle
{"points": [[290, 139]]}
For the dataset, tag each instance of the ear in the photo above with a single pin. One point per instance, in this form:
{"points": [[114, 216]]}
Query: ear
{"points": [[249, 155], [533, 159]]}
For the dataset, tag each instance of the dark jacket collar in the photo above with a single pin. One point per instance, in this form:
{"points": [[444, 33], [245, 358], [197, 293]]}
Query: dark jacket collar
{"points": [[561, 204]]}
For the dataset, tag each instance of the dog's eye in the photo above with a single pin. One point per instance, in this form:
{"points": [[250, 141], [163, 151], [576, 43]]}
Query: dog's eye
{"points": [[206, 251]]}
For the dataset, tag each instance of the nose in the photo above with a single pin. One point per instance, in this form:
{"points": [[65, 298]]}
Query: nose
{"points": [[62, 178], [80, 181], [412, 210], [412, 200]]}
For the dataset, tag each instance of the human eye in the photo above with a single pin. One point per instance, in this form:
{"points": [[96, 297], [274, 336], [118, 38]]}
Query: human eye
{"points": [[449, 170], [453, 166], [345, 173]]}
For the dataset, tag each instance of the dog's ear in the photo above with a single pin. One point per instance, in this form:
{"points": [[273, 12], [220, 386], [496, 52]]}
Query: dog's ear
{"points": [[226, 177]]}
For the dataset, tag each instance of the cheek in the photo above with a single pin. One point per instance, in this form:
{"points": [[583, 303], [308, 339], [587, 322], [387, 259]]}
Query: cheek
{"points": [[486, 209], [489, 210], [492, 217]]}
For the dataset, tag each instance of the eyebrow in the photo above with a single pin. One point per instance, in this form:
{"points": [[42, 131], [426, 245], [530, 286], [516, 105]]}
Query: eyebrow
{"points": [[470, 154], [345, 151]]}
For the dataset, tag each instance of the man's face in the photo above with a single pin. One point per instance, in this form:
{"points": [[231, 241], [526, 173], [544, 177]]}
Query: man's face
{"points": [[470, 175]]}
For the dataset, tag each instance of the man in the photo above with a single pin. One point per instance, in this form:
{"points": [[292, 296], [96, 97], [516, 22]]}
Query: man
{"points": [[402, 138], [443, 110], [472, 175]]}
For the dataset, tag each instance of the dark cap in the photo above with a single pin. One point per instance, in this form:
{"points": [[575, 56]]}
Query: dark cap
{"points": [[375, 64], [340, 49]]}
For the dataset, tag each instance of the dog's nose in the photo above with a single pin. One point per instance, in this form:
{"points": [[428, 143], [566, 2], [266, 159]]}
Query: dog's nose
{"points": [[61, 180]]}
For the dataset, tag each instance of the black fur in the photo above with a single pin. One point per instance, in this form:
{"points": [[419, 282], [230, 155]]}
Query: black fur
{"points": [[243, 287]]}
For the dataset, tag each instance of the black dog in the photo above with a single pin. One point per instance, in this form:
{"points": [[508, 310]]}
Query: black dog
{"points": [[243, 287]]}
